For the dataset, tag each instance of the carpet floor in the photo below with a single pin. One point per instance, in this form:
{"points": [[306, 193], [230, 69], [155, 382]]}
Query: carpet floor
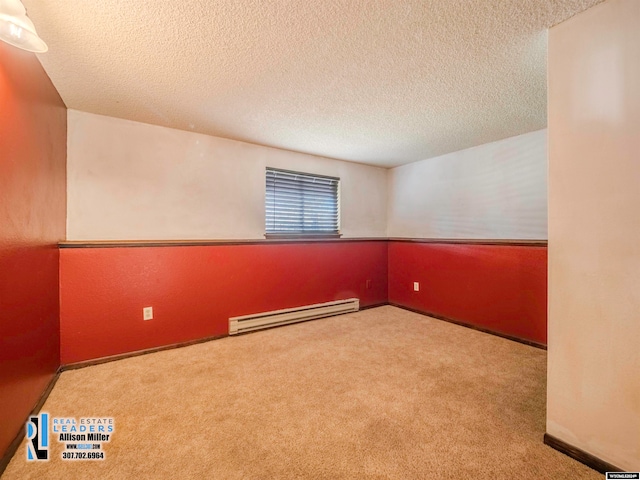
{"points": [[379, 394]]}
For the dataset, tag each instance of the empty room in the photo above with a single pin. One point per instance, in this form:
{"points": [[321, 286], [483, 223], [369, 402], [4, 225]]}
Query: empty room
{"points": [[387, 239]]}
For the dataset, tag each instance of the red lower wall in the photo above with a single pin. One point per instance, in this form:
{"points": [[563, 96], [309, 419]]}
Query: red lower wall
{"points": [[497, 287], [195, 289], [33, 140]]}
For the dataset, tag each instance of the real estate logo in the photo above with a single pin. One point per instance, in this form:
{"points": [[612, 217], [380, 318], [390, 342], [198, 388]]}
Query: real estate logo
{"points": [[82, 438], [38, 437]]}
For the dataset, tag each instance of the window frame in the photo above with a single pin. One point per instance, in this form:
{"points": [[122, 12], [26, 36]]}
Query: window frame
{"points": [[311, 234]]}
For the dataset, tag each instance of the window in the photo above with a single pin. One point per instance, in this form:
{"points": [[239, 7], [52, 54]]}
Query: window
{"points": [[301, 204]]}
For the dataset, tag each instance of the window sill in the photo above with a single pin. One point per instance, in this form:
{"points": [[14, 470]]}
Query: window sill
{"points": [[297, 236]]}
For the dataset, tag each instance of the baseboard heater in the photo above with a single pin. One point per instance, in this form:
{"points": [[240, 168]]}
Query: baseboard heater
{"points": [[258, 321]]}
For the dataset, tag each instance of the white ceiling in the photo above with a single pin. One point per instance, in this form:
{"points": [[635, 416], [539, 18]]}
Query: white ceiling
{"points": [[383, 82]]}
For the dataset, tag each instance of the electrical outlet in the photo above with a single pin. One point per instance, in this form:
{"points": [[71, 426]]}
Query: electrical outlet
{"points": [[368, 284], [416, 286], [147, 313]]}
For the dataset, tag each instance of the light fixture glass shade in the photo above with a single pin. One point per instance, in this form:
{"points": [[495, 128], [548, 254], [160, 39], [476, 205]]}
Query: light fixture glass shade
{"points": [[16, 29]]}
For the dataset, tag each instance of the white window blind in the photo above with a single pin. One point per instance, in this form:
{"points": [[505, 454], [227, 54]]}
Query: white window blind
{"points": [[301, 204]]}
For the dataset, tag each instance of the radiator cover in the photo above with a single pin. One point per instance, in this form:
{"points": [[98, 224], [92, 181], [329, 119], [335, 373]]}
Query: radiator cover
{"points": [[258, 321]]}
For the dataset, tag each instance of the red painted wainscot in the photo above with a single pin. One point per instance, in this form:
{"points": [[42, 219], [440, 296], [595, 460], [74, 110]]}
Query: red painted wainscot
{"points": [[195, 289], [33, 146], [500, 288]]}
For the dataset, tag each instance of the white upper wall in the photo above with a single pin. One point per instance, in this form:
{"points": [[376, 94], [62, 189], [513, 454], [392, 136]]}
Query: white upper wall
{"points": [[133, 181], [494, 191]]}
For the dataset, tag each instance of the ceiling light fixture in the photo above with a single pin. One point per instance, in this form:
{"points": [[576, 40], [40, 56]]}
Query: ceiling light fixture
{"points": [[16, 29]]}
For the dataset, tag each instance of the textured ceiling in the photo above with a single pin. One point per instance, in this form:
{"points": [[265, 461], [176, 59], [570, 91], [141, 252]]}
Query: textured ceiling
{"points": [[382, 82]]}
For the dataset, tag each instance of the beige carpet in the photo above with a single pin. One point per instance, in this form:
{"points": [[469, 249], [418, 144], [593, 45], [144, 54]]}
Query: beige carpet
{"points": [[382, 393]]}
